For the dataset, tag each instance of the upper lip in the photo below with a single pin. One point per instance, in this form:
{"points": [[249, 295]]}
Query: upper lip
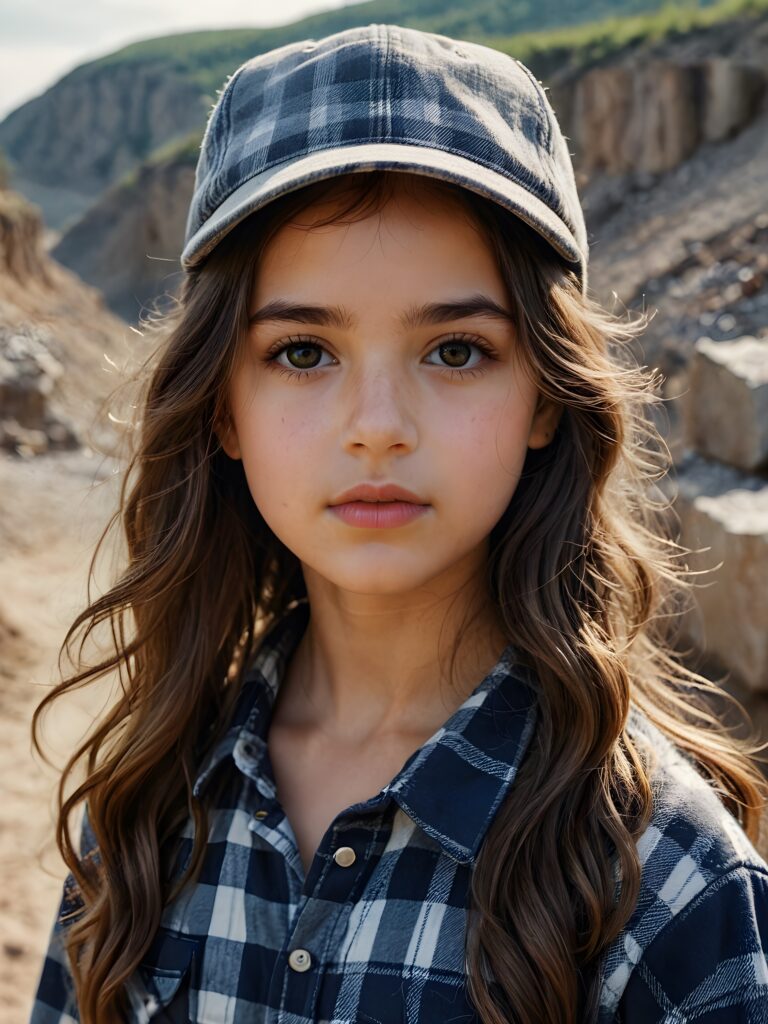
{"points": [[382, 492]]}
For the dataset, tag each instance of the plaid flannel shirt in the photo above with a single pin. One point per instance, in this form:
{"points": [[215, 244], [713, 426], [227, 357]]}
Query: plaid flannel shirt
{"points": [[380, 939]]}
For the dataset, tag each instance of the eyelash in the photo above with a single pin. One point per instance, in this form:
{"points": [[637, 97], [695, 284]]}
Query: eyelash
{"points": [[453, 372]]}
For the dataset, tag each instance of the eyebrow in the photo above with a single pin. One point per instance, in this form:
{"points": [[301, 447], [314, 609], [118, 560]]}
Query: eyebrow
{"points": [[415, 316]]}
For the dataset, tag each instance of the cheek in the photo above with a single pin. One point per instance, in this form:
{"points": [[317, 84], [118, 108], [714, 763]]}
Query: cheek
{"points": [[280, 444], [489, 440]]}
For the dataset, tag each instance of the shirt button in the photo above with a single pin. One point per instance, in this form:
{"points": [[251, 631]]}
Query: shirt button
{"points": [[300, 960], [261, 814], [344, 856]]}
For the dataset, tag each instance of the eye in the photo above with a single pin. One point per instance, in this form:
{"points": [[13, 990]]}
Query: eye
{"points": [[457, 353], [301, 355]]}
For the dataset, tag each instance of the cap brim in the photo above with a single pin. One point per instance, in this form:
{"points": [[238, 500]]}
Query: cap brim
{"points": [[262, 188]]}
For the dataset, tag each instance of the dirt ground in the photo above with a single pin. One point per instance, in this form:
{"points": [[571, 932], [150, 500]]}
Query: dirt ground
{"points": [[51, 512]]}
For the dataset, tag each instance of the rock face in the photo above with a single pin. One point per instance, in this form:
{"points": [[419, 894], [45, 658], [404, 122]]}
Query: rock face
{"points": [[29, 420], [54, 336], [723, 510], [21, 250], [649, 116], [129, 243], [29, 371], [92, 127], [731, 96]]}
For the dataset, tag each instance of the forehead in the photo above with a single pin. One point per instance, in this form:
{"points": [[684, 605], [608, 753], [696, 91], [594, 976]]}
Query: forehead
{"points": [[419, 235]]}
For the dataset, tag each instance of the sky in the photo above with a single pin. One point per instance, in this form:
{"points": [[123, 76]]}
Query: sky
{"points": [[41, 40]]}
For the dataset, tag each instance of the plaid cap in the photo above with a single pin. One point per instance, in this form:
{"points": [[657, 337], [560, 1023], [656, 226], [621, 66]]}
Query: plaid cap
{"points": [[385, 96]]}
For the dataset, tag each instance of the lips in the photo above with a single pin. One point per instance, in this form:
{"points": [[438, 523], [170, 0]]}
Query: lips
{"points": [[378, 493], [382, 506]]}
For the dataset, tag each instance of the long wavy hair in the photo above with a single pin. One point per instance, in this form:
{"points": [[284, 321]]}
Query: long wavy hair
{"points": [[583, 568]]}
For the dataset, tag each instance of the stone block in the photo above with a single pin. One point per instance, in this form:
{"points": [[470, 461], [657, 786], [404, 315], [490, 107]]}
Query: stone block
{"points": [[725, 512], [726, 405]]}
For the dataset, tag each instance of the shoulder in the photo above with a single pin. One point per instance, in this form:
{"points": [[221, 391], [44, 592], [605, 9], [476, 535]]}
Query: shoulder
{"points": [[699, 931], [690, 825]]}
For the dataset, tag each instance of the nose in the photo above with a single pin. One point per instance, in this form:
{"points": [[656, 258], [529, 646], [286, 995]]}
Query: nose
{"points": [[380, 412]]}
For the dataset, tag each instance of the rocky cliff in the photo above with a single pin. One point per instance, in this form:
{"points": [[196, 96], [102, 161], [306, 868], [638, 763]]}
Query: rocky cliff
{"points": [[21, 250], [649, 109], [93, 127], [55, 332], [648, 116], [128, 243]]}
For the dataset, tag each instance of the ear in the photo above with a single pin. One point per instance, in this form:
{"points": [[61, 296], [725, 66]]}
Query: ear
{"points": [[224, 429], [545, 419]]}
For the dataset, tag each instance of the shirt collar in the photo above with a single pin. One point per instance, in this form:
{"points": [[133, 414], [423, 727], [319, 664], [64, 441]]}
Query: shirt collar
{"points": [[453, 784], [259, 689]]}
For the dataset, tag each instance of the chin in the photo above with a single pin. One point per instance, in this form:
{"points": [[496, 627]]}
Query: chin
{"points": [[388, 573]]}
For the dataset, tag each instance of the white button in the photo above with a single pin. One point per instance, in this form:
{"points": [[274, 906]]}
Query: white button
{"points": [[300, 960], [344, 856]]}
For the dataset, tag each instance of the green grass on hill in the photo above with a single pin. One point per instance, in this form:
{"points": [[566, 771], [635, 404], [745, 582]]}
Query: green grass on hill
{"points": [[208, 57], [599, 40]]}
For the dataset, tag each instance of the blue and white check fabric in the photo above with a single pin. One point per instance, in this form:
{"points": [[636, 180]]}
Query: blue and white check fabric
{"points": [[390, 97], [381, 940]]}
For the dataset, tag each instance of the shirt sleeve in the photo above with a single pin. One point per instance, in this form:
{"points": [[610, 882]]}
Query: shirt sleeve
{"points": [[54, 1000], [709, 964]]}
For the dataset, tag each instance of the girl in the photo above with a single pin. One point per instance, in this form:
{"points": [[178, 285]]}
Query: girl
{"points": [[400, 735]]}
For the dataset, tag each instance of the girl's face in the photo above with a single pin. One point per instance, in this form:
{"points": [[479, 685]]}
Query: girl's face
{"points": [[383, 383]]}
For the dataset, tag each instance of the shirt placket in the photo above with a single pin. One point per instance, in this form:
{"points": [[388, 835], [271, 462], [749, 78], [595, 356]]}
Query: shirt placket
{"points": [[323, 899]]}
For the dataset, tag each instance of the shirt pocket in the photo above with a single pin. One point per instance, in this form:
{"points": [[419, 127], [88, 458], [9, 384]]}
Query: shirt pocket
{"points": [[158, 990]]}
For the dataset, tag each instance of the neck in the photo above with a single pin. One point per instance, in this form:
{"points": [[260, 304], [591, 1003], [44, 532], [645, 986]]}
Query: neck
{"points": [[373, 665]]}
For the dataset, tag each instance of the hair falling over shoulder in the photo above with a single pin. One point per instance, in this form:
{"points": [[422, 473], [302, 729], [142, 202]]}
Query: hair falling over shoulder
{"points": [[588, 584]]}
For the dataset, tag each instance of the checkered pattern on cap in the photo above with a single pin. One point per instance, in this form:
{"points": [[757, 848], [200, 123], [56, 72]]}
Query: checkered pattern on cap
{"points": [[385, 96]]}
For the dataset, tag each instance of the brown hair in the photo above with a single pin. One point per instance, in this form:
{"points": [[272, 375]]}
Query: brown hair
{"points": [[587, 583]]}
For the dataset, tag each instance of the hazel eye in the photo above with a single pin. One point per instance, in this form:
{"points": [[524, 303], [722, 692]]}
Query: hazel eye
{"points": [[301, 355], [457, 354]]}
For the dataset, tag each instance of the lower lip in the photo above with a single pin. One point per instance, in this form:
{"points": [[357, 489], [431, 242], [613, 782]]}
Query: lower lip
{"points": [[378, 514]]}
